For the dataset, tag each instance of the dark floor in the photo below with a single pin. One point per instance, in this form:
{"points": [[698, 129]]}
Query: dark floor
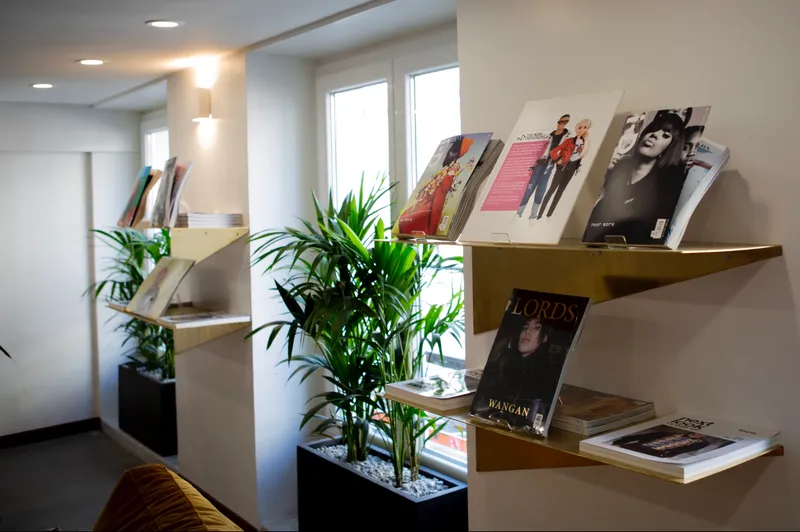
{"points": [[63, 482]]}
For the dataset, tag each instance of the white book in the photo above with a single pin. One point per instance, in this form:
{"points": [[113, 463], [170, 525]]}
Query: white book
{"points": [[444, 392], [530, 193], [683, 446], [201, 319]]}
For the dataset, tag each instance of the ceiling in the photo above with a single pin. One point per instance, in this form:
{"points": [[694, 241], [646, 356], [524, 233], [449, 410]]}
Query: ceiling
{"points": [[42, 39], [367, 27]]}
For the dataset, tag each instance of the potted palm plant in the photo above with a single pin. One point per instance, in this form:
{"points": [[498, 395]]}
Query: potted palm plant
{"points": [[353, 315], [146, 404]]}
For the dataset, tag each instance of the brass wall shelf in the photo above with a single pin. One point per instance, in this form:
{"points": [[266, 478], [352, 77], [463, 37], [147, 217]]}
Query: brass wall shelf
{"points": [[188, 334], [603, 274], [197, 245], [499, 449]]}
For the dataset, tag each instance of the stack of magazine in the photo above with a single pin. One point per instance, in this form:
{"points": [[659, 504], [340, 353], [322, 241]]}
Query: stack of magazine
{"points": [[708, 162], [208, 220], [589, 412], [448, 391], [444, 196]]}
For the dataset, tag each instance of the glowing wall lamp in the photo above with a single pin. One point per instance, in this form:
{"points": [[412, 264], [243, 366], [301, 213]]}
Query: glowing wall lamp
{"points": [[203, 112]]}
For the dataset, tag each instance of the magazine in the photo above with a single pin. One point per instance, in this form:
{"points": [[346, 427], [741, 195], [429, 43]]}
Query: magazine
{"points": [[438, 194], [157, 289], [181, 175], [589, 412], [707, 164], [681, 445], [139, 186], [523, 374], [201, 319], [443, 392], [163, 202], [530, 193], [141, 210], [645, 177]]}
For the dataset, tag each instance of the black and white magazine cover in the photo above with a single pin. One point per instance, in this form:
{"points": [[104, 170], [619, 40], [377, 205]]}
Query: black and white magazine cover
{"points": [[645, 177], [525, 369]]}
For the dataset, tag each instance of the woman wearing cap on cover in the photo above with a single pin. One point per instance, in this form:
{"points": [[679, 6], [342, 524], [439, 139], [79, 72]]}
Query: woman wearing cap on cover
{"points": [[523, 371], [643, 187]]}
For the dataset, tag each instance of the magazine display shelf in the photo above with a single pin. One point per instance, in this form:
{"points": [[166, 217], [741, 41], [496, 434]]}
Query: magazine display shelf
{"points": [[601, 273], [572, 268], [189, 334], [197, 245], [499, 449]]}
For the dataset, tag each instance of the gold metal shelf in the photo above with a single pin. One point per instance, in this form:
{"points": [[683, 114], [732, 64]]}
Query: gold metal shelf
{"points": [[500, 449], [188, 335], [198, 244], [602, 273]]}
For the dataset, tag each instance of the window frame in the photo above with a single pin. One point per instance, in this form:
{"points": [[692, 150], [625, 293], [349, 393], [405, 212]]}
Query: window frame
{"points": [[397, 69]]}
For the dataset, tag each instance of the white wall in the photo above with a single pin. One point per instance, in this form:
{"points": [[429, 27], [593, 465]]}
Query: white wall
{"points": [[214, 382], [63, 168], [282, 170], [71, 128], [112, 177], [723, 346]]}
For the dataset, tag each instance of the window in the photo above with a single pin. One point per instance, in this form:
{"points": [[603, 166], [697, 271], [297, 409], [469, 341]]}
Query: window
{"points": [[156, 148], [435, 115], [359, 122], [388, 118]]}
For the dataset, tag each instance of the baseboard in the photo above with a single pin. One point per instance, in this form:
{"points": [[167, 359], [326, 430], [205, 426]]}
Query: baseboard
{"points": [[49, 433], [144, 453]]}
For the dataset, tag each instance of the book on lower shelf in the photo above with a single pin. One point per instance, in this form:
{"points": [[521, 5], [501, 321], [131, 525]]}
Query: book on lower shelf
{"points": [[520, 385], [201, 220], [201, 318], [589, 412], [447, 391], [682, 446]]}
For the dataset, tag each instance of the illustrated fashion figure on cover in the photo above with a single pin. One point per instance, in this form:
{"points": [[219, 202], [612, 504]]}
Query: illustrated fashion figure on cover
{"points": [[426, 214], [542, 169], [567, 157]]}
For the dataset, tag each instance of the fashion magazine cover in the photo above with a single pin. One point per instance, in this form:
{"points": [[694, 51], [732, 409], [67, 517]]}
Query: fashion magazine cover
{"points": [[530, 193], [645, 177], [524, 372]]}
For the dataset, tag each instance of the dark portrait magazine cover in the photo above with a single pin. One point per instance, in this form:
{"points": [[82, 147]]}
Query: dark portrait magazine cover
{"points": [[524, 371], [645, 177]]}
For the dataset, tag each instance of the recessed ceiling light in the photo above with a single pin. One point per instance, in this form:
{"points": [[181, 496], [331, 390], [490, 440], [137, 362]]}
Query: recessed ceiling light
{"points": [[163, 23], [91, 62], [42, 86]]}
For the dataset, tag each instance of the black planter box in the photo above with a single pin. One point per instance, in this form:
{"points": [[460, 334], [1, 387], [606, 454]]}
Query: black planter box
{"points": [[147, 411], [331, 496]]}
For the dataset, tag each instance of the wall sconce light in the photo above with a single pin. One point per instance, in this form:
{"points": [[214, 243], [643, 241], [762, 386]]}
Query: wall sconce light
{"points": [[203, 113]]}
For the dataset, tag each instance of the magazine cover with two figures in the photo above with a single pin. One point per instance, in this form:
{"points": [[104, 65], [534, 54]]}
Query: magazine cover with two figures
{"points": [[530, 194], [522, 377], [433, 204], [646, 175]]}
